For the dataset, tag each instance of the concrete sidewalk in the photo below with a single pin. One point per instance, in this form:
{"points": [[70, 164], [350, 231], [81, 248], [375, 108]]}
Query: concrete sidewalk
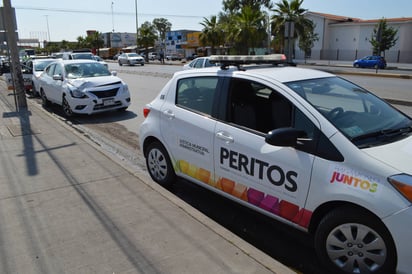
{"points": [[66, 206]]}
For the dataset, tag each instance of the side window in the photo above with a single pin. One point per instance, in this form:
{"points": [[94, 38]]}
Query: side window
{"points": [[258, 107], [199, 63], [197, 93], [58, 70], [50, 70]]}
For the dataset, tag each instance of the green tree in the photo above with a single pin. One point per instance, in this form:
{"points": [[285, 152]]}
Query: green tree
{"points": [[383, 37], [147, 37], [211, 34], [250, 28], [234, 6], [162, 25], [306, 42], [95, 41], [244, 24], [286, 12]]}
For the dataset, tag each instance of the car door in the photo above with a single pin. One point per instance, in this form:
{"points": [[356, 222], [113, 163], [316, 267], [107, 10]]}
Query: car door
{"points": [[272, 179], [187, 126], [55, 86]]}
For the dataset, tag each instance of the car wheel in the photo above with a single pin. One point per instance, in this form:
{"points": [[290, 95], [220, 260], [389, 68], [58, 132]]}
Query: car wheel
{"points": [[159, 165], [44, 101], [120, 63], [356, 65], [33, 89], [142, 64], [351, 240], [66, 108], [376, 66]]}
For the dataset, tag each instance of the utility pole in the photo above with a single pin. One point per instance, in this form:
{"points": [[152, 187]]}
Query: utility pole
{"points": [[15, 67]]}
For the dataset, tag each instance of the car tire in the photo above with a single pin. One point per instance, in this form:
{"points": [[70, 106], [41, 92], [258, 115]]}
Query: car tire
{"points": [[370, 245], [66, 108], [356, 65], [33, 90], [44, 101], [120, 64], [159, 165]]}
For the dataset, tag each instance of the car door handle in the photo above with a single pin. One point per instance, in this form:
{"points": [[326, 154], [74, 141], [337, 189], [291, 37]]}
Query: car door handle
{"points": [[169, 114], [225, 137]]}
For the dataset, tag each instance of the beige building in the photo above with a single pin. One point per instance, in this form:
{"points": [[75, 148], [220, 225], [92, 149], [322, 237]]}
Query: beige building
{"points": [[344, 38]]}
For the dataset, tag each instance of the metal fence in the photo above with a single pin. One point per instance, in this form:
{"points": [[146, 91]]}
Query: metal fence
{"points": [[395, 56]]}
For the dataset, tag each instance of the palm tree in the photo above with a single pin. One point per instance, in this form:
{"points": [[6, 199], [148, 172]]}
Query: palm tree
{"points": [[250, 28], [288, 14], [147, 37], [211, 34], [162, 25]]}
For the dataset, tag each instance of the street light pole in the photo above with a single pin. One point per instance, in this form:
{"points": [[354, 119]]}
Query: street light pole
{"points": [[17, 75], [137, 23], [48, 29]]}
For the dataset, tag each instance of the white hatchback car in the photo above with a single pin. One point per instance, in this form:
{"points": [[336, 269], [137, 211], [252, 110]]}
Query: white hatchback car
{"points": [[83, 87], [302, 146]]}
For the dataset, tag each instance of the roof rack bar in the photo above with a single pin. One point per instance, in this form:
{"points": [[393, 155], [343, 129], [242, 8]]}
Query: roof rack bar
{"points": [[237, 60]]}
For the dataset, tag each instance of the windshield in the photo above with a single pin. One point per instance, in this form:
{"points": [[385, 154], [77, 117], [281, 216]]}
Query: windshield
{"points": [[361, 116], [39, 66], [133, 55], [82, 70], [82, 56]]}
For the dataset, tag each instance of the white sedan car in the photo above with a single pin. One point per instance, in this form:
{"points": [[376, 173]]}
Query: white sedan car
{"points": [[130, 59], [200, 62], [82, 87]]}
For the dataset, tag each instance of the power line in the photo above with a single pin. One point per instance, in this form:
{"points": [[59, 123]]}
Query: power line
{"points": [[104, 12]]}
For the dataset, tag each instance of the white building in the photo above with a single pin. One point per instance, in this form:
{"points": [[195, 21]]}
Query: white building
{"points": [[344, 38]]}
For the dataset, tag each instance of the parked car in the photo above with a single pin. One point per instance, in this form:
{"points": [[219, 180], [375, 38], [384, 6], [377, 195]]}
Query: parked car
{"points": [[100, 60], [200, 62], [302, 146], [373, 61], [116, 56], [78, 55], [174, 57], [130, 59], [37, 66], [153, 56], [82, 87]]}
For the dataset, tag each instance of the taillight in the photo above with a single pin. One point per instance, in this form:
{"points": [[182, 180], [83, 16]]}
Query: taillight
{"points": [[146, 112]]}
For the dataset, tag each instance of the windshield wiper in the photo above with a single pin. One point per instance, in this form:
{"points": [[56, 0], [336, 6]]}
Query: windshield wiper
{"points": [[384, 133]]}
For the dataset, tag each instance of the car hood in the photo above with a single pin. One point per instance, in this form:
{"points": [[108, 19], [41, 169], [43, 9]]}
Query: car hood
{"points": [[397, 154], [83, 83]]}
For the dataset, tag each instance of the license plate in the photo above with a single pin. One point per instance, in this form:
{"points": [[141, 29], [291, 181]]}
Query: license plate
{"points": [[108, 102]]}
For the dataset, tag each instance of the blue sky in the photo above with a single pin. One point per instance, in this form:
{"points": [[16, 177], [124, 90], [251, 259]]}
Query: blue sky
{"points": [[57, 20]]}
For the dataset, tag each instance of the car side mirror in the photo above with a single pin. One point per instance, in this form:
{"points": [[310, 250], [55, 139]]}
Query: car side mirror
{"points": [[284, 137], [57, 77]]}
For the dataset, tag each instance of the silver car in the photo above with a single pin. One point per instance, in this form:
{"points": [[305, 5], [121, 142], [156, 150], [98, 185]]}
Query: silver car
{"points": [[131, 59]]}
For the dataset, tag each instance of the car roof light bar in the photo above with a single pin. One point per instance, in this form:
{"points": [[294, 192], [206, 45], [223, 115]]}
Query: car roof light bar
{"points": [[237, 60]]}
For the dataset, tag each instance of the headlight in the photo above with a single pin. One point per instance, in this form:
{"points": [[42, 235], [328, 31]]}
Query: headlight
{"points": [[403, 183], [76, 93], [126, 88]]}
